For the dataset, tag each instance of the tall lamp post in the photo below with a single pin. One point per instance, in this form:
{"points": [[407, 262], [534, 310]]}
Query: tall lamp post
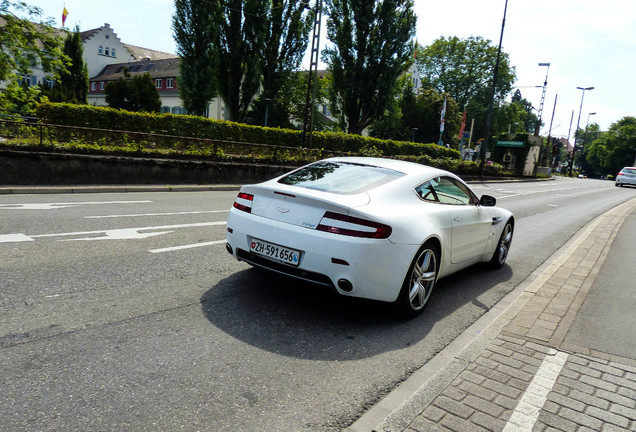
{"points": [[576, 133]]}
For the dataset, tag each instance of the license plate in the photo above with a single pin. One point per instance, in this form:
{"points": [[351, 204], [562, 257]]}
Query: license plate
{"points": [[275, 252]]}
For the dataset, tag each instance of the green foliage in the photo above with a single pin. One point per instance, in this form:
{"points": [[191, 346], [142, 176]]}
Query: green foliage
{"points": [[136, 94], [287, 37], [212, 134], [195, 35], [241, 30], [27, 40], [463, 68], [615, 148], [419, 117], [20, 99], [74, 80], [371, 48]]}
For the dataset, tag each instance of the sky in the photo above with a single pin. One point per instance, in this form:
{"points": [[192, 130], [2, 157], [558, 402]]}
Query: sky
{"points": [[588, 43]]}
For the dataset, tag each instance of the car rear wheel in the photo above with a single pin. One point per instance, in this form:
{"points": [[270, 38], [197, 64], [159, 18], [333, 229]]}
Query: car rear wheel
{"points": [[419, 281], [503, 246]]}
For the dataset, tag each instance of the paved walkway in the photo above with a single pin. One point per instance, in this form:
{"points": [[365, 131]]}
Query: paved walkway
{"points": [[517, 374]]}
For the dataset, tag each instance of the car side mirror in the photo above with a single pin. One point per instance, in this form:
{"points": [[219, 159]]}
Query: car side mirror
{"points": [[487, 201]]}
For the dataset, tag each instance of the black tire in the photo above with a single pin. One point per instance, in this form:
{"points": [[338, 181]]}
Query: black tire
{"points": [[419, 281], [503, 246]]}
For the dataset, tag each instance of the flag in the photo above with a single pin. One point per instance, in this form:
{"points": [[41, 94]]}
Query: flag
{"points": [[463, 125], [441, 125], [64, 15]]}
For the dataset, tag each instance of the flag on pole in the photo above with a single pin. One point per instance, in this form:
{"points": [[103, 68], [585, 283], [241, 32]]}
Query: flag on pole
{"points": [[64, 15], [441, 124], [463, 125]]}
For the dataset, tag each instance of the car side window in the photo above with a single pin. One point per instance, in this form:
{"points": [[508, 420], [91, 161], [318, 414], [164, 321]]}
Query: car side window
{"points": [[445, 190]]}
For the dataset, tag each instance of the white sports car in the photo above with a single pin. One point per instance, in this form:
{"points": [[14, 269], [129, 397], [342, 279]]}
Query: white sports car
{"points": [[374, 228]]}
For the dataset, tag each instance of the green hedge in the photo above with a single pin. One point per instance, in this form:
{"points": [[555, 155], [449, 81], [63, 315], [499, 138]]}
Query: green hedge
{"points": [[208, 129]]}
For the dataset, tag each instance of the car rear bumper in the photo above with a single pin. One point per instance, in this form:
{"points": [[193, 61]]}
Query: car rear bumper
{"points": [[374, 268]]}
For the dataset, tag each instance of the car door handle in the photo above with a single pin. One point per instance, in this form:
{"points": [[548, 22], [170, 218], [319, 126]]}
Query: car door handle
{"points": [[458, 219]]}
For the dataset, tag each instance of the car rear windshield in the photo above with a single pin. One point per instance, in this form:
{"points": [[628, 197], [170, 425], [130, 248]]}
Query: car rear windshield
{"points": [[629, 170], [340, 177]]}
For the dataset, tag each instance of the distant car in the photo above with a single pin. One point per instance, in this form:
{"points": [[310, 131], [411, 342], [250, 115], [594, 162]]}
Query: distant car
{"points": [[627, 176], [368, 227]]}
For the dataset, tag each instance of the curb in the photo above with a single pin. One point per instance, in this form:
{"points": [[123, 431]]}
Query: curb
{"points": [[404, 404], [11, 190]]}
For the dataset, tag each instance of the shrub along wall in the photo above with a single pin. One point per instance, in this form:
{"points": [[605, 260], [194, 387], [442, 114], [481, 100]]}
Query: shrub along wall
{"points": [[208, 129]]}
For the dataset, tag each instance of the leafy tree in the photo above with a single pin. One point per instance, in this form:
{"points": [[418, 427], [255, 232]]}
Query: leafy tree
{"points": [[74, 80], [241, 28], [463, 68], [290, 101], [195, 34], [26, 39], [20, 99], [136, 94], [371, 48], [416, 117], [614, 149], [282, 53]]}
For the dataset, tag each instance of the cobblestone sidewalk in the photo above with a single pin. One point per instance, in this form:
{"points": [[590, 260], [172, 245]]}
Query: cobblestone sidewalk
{"points": [[516, 376]]}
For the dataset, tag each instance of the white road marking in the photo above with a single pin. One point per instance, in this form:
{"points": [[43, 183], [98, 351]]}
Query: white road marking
{"points": [[122, 234], [190, 246], [155, 214], [114, 234], [526, 413], [14, 238], [53, 206]]}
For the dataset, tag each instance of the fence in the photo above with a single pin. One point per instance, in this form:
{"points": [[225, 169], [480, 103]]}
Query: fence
{"points": [[30, 131]]}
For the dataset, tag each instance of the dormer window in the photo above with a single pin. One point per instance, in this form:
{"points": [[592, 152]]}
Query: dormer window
{"points": [[100, 50], [112, 52], [107, 52]]}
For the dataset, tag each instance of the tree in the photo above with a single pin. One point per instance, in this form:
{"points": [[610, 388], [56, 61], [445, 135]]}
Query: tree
{"points": [[241, 29], [74, 80], [464, 69], [26, 39], [286, 43], [195, 35], [615, 148], [136, 94], [371, 48]]}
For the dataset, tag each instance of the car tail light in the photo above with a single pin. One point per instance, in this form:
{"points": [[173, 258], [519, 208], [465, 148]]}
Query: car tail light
{"points": [[244, 202], [620, 173], [337, 223]]}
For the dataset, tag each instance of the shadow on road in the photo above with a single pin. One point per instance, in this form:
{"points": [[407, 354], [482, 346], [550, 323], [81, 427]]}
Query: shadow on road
{"points": [[300, 320]]}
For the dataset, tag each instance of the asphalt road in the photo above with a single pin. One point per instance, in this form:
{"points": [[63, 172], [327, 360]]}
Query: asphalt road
{"points": [[124, 312]]}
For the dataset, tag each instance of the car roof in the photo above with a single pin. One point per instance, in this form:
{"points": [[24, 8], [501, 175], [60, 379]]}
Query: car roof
{"points": [[409, 168]]}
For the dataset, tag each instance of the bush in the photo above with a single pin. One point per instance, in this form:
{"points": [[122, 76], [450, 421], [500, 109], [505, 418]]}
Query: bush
{"points": [[170, 130]]}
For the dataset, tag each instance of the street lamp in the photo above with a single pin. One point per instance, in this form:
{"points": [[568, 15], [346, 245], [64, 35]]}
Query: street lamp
{"points": [[576, 135], [545, 85]]}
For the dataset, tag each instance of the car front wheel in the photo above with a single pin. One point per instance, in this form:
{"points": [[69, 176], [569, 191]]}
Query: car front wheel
{"points": [[503, 246], [419, 281]]}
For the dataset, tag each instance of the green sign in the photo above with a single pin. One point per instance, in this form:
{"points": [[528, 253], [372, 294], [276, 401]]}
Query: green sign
{"points": [[511, 144]]}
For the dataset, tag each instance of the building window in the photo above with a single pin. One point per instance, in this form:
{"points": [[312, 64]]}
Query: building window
{"points": [[158, 83], [165, 110], [101, 85], [107, 51], [169, 82], [93, 86], [107, 36], [100, 50], [112, 52]]}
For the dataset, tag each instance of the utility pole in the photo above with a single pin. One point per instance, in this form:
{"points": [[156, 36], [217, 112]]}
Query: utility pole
{"points": [[482, 148], [312, 77]]}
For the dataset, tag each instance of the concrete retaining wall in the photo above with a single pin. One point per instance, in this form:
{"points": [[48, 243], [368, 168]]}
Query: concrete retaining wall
{"points": [[31, 168]]}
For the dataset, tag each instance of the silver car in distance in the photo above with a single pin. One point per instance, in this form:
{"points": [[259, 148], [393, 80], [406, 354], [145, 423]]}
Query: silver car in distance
{"points": [[373, 228]]}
